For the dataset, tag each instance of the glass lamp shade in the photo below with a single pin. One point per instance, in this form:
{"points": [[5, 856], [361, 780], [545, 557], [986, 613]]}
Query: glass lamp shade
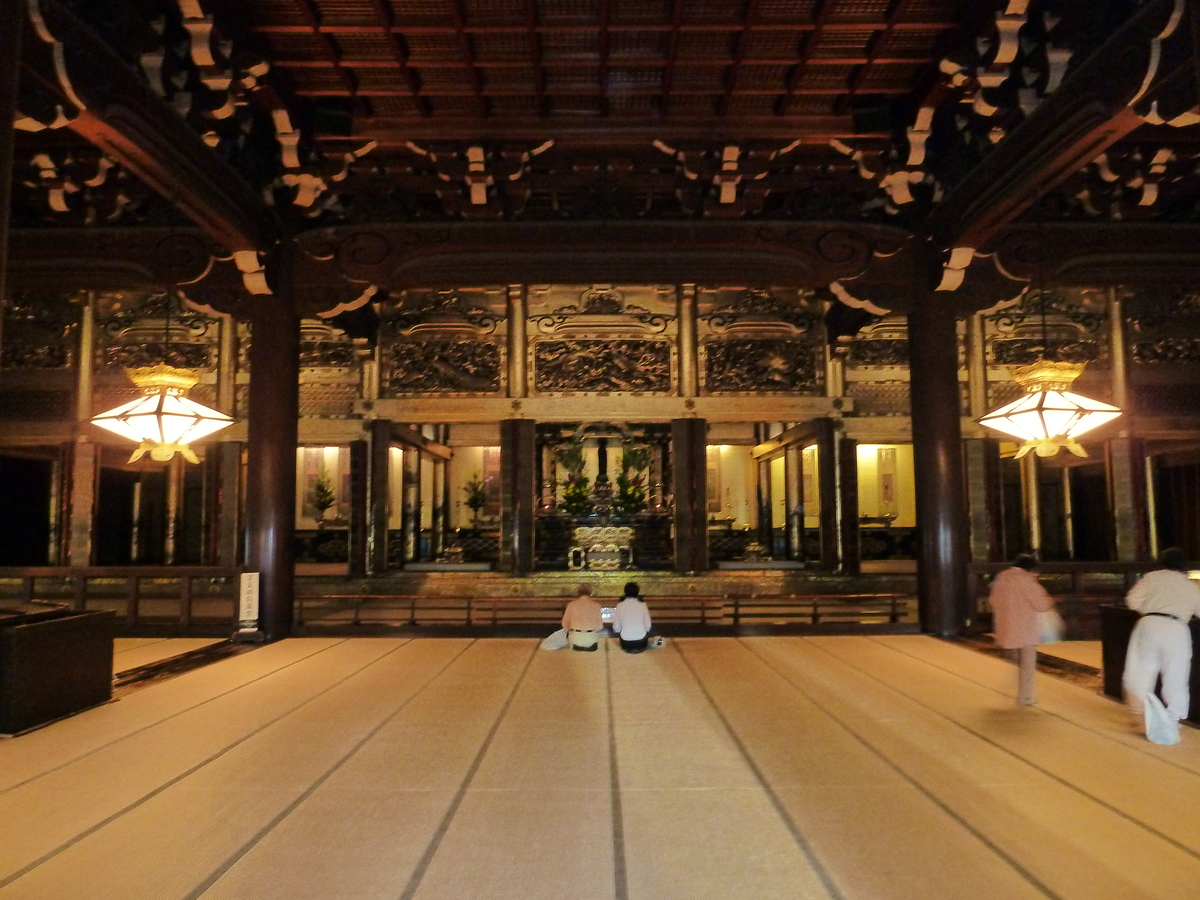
{"points": [[162, 421], [1049, 417]]}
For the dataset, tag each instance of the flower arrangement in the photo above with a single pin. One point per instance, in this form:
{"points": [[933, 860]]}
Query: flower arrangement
{"points": [[476, 496], [577, 493], [630, 496]]}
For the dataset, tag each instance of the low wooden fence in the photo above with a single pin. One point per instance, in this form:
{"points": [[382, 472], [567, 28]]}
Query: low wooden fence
{"points": [[181, 596], [741, 612]]}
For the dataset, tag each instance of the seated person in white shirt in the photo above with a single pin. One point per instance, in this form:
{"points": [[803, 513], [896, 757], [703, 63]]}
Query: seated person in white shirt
{"points": [[1161, 643], [631, 620], [583, 621]]}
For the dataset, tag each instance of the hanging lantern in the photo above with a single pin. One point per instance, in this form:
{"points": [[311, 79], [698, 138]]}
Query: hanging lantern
{"points": [[163, 421], [1049, 416]]}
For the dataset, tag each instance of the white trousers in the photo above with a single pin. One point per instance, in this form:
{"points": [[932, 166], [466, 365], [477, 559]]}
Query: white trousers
{"points": [[1159, 646]]}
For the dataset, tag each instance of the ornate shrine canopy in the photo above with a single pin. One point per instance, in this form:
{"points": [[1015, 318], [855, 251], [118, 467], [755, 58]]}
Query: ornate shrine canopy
{"points": [[884, 147]]}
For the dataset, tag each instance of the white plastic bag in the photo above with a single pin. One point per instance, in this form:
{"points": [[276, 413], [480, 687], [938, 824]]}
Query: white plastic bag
{"points": [[556, 640], [1050, 627], [1161, 726]]}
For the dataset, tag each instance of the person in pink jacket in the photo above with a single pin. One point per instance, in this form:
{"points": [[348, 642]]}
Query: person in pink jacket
{"points": [[1016, 599]]}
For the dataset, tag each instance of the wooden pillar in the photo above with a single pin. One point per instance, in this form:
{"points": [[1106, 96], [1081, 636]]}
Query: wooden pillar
{"points": [[517, 341], [83, 468], [439, 510], [356, 531], [1128, 497], [1127, 483], [410, 493], [793, 479], [518, 487], [827, 488], [938, 465], [12, 20], [274, 411], [378, 496], [688, 350], [227, 520], [1032, 496], [762, 494], [689, 475], [848, 526], [84, 472], [175, 511], [980, 470]]}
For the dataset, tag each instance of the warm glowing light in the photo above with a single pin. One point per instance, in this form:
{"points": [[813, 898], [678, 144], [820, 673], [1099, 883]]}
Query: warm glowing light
{"points": [[1049, 417], [163, 421]]}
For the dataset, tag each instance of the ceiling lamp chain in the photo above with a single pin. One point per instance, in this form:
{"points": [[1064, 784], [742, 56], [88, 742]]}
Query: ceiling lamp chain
{"points": [[163, 421], [1049, 416]]}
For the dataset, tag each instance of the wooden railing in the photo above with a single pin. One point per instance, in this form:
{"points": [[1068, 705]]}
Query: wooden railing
{"points": [[730, 611], [177, 595]]}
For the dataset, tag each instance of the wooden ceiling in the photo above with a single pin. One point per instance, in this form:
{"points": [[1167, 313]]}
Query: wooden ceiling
{"points": [[602, 70]]}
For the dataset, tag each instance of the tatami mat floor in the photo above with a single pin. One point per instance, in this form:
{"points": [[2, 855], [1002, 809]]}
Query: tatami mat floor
{"points": [[132, 653], [773, 767]]}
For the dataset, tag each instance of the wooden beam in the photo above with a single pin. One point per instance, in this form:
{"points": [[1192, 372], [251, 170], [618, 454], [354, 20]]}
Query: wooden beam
{"points": [[123, 118], [801, 434], [410, 437], [1087, 114]]}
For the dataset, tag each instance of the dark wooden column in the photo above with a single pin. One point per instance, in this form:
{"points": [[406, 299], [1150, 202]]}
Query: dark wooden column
{"points": [[847, 478], [356, 532], [410, 504], [827, 489], [271, 471], [12, 19], [942, 521], [518, 484], [378, 495], [763, 498], [689, 476]]}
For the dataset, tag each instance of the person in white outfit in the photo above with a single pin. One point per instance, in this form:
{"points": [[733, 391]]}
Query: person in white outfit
{"points": [[1161, 643], [631, 620]]}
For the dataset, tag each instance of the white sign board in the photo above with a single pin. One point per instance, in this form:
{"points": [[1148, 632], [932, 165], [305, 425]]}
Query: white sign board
{"points": [[248, 602]]}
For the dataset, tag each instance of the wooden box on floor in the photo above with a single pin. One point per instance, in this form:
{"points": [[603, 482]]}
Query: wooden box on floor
{"points": [[53, 663]]}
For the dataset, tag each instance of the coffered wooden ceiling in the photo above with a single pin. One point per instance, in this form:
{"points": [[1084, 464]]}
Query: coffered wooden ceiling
{"points": [[604, 70]]}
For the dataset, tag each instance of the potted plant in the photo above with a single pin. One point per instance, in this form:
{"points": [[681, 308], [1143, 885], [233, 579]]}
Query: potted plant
{"points": [[476, 497], [630, 497], [577, 492], [321, 496]]}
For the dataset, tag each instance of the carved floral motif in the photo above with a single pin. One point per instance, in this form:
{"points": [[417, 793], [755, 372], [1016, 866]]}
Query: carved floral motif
{"points": [[602, 302], [1023, 351], [603, 366], [441, 309], [440, 367], [1053, 307], [889, 352], [39, 332], [1167, 350], [755, 308], [132, 356], [327, 354], [762, 366]]}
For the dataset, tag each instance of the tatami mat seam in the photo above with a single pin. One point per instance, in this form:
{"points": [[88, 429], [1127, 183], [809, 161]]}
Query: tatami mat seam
{"points": [[220, 871], [418, 874], [1136, 747], [620, 870], [895, 767], [157, 722], [801, 841], [108, 820], [1058, 778]]}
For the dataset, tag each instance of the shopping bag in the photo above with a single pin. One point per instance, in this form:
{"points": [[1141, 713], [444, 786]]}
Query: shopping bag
{"points": [[1161, 726], [1050, 627], [556, 640]]}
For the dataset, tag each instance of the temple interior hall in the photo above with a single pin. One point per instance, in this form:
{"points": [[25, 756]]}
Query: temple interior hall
{"points": [[858, 766], [344, 342]]}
